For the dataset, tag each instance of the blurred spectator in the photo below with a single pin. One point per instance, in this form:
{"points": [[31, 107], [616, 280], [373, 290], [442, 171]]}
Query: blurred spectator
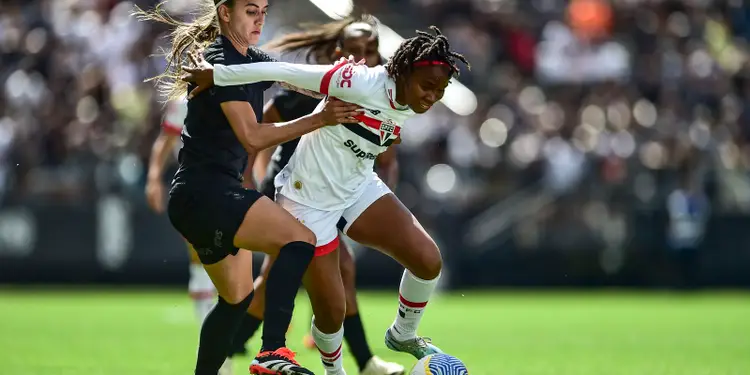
{"points": [[600, 102]]}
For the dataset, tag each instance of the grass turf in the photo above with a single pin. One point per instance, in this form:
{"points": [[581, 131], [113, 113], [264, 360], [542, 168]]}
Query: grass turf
{"points": [[69, 332]]}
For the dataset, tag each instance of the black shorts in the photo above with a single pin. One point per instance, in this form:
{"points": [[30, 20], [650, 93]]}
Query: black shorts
{"points": [[267, 188], [209, 217]]}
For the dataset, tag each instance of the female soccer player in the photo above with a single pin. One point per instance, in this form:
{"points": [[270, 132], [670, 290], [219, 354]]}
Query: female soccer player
{"points": [[200, 287], [207, 203], [329, 179], [324, 44]]}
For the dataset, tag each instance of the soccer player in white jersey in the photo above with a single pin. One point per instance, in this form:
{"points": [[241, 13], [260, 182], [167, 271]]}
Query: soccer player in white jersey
{"points": [[330, 180]]}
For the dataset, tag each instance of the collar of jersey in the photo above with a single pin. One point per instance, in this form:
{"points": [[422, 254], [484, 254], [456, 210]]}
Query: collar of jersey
{"points": [[390, 90], [229, 46]]}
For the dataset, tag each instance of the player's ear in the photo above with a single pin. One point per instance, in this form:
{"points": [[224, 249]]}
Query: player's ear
{"points": [[337, 53], [224, 13]]}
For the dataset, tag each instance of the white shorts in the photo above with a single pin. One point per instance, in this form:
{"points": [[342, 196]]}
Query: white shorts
{"points": [[326, 224]]}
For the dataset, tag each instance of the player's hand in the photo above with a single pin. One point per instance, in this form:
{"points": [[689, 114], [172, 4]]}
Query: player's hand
{"points": [[351, 60], [200, 72], [337, 112], [155, 195]]}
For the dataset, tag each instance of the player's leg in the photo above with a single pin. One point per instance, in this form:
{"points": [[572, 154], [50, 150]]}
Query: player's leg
{"points": [[326, 291], [203, 294], [235, 293], [354, 330], [323, 283], [381, 221], [210, 220], [270, 229], [200, 287], [254, 317]]}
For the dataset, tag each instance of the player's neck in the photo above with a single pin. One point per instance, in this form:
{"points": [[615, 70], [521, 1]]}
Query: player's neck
{"points": [[237, 43], [400, 93]]}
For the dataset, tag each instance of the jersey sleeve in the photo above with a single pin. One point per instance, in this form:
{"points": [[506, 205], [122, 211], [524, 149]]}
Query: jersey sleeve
{"points": [[174, 116], [344, 80], [263, 56]]}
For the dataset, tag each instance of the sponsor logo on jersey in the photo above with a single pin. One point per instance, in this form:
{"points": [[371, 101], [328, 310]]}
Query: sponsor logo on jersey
{"points": [[375, 112], [358, 151], [346, 76]]}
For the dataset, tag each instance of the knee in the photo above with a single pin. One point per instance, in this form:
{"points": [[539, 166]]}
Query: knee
{"points": [[239, 296], [430, 262], [303, 234], [329, 313]]}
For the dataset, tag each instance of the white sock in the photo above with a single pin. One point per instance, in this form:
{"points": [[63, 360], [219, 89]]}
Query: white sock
{"points": [[413, 296], [329, 346], [202, 291]]}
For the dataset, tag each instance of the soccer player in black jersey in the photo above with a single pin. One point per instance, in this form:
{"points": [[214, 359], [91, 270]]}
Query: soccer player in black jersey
{"points": [[207, 202], [322, 44]]}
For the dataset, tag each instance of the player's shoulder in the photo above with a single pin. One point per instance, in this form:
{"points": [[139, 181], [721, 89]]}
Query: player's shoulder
{"points": [[215, 52], [361, 78], [256, 54]]}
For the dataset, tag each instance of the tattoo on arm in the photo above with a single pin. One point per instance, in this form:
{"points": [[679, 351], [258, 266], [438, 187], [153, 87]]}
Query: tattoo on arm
{"points": [[309, 93]]}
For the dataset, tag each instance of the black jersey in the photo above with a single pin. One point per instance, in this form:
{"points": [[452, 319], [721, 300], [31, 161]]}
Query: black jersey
{"points": [[207, 203], [210, 147]]}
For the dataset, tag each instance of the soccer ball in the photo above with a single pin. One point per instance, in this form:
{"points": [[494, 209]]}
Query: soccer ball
{"points": [[439, 364]]}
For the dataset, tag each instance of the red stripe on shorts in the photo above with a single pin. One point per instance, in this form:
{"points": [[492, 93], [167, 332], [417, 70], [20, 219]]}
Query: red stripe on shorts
{"points": [[327, 248]]}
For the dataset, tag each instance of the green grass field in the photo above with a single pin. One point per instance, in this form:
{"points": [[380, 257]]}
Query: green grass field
{"points": [[605, 333]]}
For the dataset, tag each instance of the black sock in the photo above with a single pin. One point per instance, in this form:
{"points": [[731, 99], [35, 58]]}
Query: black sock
{"points": [[217, 334], [246, 330], [284, 279], [354, 334]]}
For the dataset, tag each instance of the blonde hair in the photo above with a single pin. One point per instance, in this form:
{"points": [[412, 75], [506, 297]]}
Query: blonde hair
{"points": [[185, 36]]}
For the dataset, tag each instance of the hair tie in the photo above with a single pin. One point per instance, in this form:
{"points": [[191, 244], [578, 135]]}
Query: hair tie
{"points": [[430, 62]]}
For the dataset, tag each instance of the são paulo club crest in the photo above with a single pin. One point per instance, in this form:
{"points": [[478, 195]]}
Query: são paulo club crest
{"points": [[387, 128]]}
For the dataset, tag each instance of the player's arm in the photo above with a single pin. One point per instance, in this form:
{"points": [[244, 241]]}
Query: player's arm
{"points": [[302, 91], [256, 137], [270, 114], [160, 151], [346, 81], [387, 167], [334, 80]]}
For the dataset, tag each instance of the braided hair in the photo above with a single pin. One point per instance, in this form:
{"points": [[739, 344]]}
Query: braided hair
{"points": [[423, 47]]}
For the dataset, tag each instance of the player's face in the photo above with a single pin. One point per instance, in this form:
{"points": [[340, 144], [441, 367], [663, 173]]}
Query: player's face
{"points": [[363, 47], [246, 19], [425, 86]]}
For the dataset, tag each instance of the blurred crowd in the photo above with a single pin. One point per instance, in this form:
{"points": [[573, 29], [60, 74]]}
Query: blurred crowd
{"points": [[605, 107], [615, 104]]}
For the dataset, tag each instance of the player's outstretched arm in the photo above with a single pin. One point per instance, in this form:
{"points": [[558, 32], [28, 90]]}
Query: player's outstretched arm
{"points": [[337, 80]]}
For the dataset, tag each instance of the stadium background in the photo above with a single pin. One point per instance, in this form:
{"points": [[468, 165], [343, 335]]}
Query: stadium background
{"points": [[608, 148]]}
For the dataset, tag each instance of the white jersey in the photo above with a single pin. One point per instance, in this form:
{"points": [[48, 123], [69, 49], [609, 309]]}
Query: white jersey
{"points": [[333, 165]]}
